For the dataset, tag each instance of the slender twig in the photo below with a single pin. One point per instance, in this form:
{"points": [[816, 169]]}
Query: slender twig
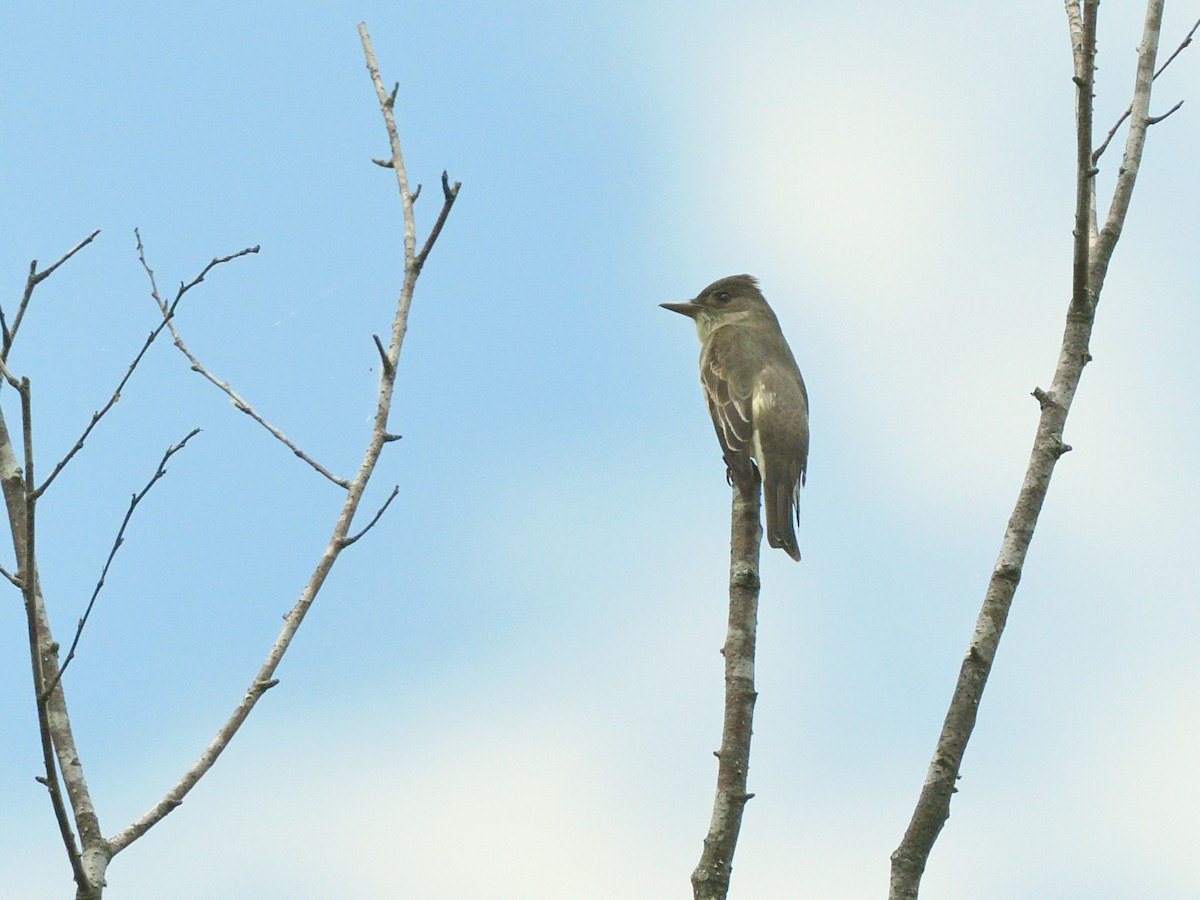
{"points": [[168, 311], [159, 472], [7, 334], [185, 287], [116, 394], [1184, 44], [1092, 253], [710, 879], [449, 195], [264, 679], [347, 541], [1153, 120]]}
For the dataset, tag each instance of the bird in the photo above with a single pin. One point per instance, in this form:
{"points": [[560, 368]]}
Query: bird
{"points": [[756, 397]]}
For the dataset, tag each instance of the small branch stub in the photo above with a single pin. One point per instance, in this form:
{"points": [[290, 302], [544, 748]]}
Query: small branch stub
{"points": [[388, 368]]}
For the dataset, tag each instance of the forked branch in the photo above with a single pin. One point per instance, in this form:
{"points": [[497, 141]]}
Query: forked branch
{"points": [[35, 277], [340, 538], [168, 312], [1153, 120], [1092, 251]]}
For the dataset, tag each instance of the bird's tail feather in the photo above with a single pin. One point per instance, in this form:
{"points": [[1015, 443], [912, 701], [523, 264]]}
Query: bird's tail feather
{"points": [[780, 502]]}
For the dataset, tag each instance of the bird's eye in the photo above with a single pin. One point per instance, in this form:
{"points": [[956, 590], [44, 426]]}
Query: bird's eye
{"points": [[723, 297]]}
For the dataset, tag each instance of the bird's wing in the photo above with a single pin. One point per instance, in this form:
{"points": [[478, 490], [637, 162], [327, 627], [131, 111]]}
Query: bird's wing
{"points": [[727, 368]]}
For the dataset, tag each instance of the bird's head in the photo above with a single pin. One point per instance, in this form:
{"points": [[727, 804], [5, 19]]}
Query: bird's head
{"points": [[726, 302]]}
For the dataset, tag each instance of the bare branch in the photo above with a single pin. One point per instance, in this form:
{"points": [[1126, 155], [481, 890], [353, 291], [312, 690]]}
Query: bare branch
{"points": [[245, 407], [1154, 120], [449, 195], [21, 508], [1085, 172], [159, 472], [216, 261], [8, 335], [347, 541], [1184, 44], [116, 394], [1135, 141], [1092, 251], [168, 311], [1075, 24], [710, 879], [1129, 109], [387, 103], [339, 539]]}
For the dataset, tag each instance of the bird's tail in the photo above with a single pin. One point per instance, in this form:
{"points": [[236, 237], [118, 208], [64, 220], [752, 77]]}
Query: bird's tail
{"points": [[781, 502]]}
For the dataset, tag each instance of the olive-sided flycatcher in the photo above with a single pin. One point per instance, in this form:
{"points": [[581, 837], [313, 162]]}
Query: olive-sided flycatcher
{"points": [[755, 395]]}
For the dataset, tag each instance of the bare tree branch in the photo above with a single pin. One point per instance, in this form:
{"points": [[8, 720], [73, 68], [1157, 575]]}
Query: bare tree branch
{"points": [[159, 472], [1135, 140], [1154, 120], [21, 506], [54, 726], [387, 103], [116, 394], [339, 539], [1129, 109], [8, 335], [449, 195], [346, 542], [1092, 252], [710, 879], [1085, 172], [240, 404]]}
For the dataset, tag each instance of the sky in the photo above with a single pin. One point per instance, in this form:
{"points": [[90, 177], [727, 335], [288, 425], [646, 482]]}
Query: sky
{"points": [[511, 688]]}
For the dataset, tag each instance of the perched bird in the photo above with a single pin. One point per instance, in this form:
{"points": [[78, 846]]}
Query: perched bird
{"points": [[755, 395]]}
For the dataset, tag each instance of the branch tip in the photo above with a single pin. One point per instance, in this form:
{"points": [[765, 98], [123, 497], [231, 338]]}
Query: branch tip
{"points": [[1154, 120], [347, 541]]}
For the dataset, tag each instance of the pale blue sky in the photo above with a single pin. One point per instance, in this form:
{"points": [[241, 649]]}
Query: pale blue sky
{"points": [[512, 689]]}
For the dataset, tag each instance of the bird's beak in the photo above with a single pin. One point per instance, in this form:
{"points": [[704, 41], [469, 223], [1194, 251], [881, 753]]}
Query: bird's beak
{"points": [[688, 308]]}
